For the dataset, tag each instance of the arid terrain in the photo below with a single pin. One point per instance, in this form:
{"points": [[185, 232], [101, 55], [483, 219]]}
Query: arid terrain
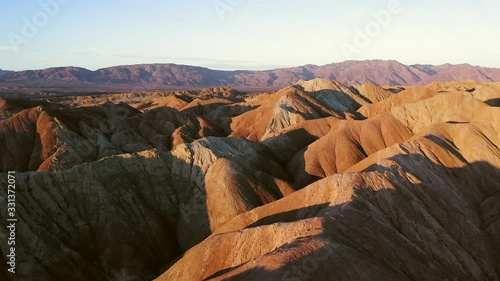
{"points": [[332, 178], [151, 77]]}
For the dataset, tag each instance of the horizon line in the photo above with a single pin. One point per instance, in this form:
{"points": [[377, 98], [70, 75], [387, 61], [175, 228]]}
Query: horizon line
{"points": [[259, 70]]}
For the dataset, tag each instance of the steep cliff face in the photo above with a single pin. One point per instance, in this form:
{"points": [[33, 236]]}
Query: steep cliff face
{"points": [[317, 181]]}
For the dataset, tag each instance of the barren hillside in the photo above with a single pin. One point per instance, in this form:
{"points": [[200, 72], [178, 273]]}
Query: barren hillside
{"points": [[149, 77], [315, 181]]}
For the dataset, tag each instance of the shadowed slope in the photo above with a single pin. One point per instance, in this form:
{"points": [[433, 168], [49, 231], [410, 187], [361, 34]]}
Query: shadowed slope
{"points": [[130, 216], [347, 145], [54, 137], [408, 95], [409, 191], [413, 216], [286, 108], [275, 112], [373, 93]]}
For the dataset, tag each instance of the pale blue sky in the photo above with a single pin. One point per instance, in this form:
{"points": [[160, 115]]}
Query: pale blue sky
{"points": [[253, 34]]}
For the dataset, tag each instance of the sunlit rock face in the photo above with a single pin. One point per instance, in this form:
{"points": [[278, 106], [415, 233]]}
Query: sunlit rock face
{"points": [[316, 181]]}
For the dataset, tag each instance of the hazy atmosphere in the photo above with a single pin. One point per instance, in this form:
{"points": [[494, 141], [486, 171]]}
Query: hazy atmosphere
{"points": [[246, 34]]}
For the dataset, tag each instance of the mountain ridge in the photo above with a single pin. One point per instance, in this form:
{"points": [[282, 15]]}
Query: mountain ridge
{"points": [[167, 76]]}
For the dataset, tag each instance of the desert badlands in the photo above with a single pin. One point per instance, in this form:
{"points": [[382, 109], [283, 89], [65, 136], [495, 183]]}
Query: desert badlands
{"points": [[315, 181]]}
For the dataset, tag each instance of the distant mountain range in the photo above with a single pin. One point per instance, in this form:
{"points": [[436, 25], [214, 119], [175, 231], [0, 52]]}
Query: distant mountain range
{"points": [[168, 76]]}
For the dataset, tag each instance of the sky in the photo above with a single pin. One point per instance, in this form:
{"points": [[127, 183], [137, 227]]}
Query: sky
{"points": [[246, 34]]}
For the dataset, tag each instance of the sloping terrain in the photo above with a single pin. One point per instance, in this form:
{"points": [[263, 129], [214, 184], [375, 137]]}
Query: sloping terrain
{"points": [[149, 77], [316, 181], [43, 135]]}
